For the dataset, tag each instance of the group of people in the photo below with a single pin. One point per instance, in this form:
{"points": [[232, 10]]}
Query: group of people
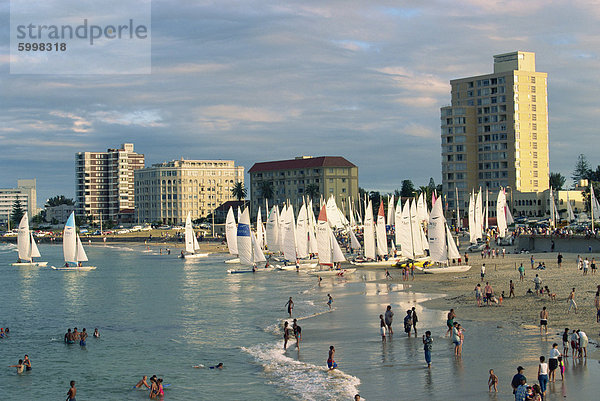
{"points": [[23, 365], [294, 330], [155, 386], [4, 332], [71, 337], [385, 323]]}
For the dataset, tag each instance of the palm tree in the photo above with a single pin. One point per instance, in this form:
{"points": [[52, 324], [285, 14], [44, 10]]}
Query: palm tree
{"points": [[239, 191], [266, 189], [312, 191]]}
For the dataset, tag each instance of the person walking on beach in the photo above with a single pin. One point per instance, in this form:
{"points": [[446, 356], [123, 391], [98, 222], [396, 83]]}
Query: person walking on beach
{"points": [[388, 276], [553, 361], [511, 289], [72, 391], [493, 381], [521, 272], [329, 301], [571, 301], [408, 322], [482, 271], [559, 259], [290, 306], [286, 334], [544, 320], [543, 375], [330, 362], [532, 262], [478, 294], [583, 343], [488, 292], [537, 281], [597, 305], [297, 333], [389, 319], [427, 347], [466, 258], [516, 380], [565, 339], [415, 319], [450, 321], [382, 327]]}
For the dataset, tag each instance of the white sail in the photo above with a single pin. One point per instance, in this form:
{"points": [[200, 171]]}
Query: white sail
{"points": [[312, 229], [70, 240], [333, 214], [244, 243], [34, 251], [487, 206], [479, 215], [453, 252], [324, 238], [397, 223], [501, 213], [404, 232], [369, 232], [81, 255], [272, 231], [382, 246], [458, 219], [351, 214], [231, 232], [552, 215], [390, 213], [281, 213], [422, 209], [257, 254], [260, 234], [509, 216], [595, 204], [302, 232], [196, 245], [437, 234], [289, 235], [419, 241], [24, 239], [189, 235], [337, 254], [472, 229], [354, 244], [570, 214]]}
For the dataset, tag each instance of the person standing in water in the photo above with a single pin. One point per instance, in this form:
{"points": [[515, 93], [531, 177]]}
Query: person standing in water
{"points": [[389, 318], [82, 337], [290, 306], [142, 382], [297, 333], [382, 327], [408, 322], [286, 334], [415, 319], [19, 366], [427, 347], [493, 381], [329, 301], [27, 363], [72, 391], [330, 362], [96, 334]]}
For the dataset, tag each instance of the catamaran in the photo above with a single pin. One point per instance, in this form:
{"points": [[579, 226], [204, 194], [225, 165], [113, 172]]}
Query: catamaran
{"points": [[247, 245], [441, 244], [231, 236], [330, 252], [191, 243], [72, 248], [26, 245]]}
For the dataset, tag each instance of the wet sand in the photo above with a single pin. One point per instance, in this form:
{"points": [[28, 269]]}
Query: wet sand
{"points": [[522, 310]]}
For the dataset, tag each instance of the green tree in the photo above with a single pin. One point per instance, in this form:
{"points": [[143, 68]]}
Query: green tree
{"points": [[266, 189], [408, 189], [582, 169], [59, 200], [39, 218], [312, 191], [17, 212], [239, 191], [557, 181]]}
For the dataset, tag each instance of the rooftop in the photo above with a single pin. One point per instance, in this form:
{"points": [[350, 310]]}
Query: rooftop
{"points": [[301, 162]]}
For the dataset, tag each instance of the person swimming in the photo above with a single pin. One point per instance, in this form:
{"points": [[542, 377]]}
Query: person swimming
{"points": [[142, 382]]}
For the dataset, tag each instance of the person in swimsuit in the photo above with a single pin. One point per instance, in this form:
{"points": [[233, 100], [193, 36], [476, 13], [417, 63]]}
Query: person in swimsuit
{"points": [[82, 337], [160, 387], [27, 363], [72, 392], [571, 300], [389, 318], [142, 382], [153, 387], [75, 334], [69, 337], [565, 338], [297, 333], [450, 321], [456, 338], [217, 366], [96, 334], [286, 334], [19, 366], [382, 327], [290, 306], [544, 320], [493, 381], [427, 347], [415, 319], [330, 362], [408, 322], [329, 301], [511, 287]]}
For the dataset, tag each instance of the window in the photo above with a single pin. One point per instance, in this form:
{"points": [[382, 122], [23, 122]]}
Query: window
{"points": [[532, 80]]}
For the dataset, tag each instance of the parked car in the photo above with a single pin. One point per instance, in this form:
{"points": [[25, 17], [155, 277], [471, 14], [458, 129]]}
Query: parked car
{"points": [[123, 231], [476, 247]]}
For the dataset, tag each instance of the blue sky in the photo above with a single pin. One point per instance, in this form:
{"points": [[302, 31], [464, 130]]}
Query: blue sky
{"points": [[264, 80]]}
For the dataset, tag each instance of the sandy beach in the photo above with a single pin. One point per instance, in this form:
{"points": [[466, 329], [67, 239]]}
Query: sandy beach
{"points": [[524, 309]]}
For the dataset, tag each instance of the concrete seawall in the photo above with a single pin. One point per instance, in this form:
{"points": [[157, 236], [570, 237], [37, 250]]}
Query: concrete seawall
{"points": [[544, 244]]}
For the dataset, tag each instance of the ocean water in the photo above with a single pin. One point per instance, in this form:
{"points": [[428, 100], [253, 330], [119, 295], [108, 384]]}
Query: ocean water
{"points": [[160, 315]]}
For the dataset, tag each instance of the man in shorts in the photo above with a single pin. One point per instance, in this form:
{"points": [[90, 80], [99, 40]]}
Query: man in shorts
{"points": [[544, 320], [565, 339]]}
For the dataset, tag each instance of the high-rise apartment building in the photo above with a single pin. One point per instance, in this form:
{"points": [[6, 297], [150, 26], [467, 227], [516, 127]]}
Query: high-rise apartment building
{"points": [[26, 193], [495, 132], [290, 180], [167, 191], [104, 183]]}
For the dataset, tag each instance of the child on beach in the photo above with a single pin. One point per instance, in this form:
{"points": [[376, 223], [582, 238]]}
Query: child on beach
{"points": [[330, 362], [493, 381], [382, 327], [561, 366], [521, 272], [329, 301], [427, 347]]}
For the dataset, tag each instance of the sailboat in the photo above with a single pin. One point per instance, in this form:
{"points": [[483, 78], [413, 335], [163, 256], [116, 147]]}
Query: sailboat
{"points": [[330, 252], [231, 235], [247, 245], [26, 245], [191, 243], [72, 248], [442, 247]]}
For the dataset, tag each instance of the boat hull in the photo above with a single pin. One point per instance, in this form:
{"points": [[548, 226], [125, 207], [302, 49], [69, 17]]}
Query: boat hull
{"points": [[74, 268], [383, 263], [194, 256], [30, 264], [341, 272], [441, 270], [232, 261]]}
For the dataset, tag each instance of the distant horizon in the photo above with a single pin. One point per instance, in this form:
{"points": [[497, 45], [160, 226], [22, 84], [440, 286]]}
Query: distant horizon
{"points": [[365, 81]]}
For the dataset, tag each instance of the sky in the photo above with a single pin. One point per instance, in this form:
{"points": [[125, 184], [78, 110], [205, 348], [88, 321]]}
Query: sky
{"points": [[266, 80]]}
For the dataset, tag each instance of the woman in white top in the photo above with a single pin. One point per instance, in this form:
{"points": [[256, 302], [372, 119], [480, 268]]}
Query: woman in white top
{"points": [[543, 375], [554, 354]]}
